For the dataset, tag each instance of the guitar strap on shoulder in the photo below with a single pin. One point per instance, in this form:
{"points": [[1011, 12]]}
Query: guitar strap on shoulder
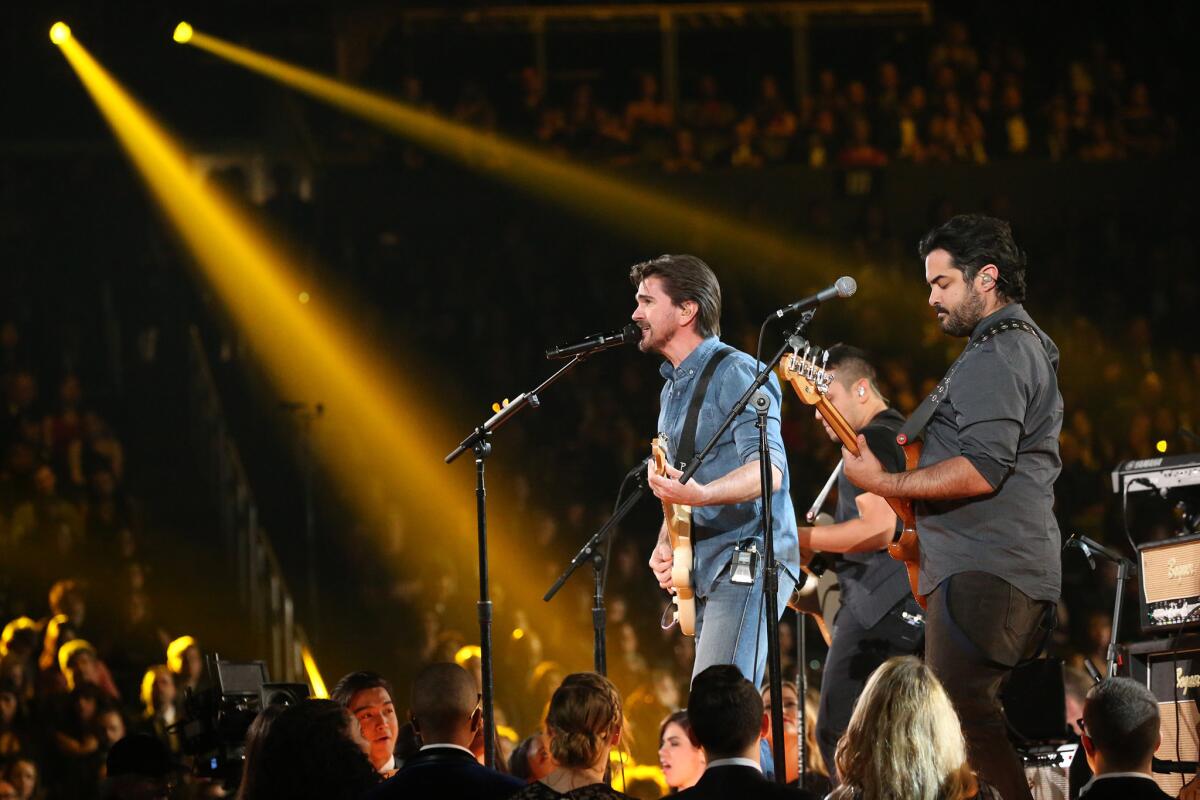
{"points": [[915, 425], [687, 439]]}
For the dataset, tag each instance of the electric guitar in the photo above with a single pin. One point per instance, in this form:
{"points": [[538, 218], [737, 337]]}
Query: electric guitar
{"points": [[679, 529], [818, 595], [811, 382]]}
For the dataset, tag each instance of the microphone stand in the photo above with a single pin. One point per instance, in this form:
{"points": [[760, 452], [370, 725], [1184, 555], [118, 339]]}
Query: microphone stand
{"points": [[762, 405], [592, 551], [479, 442], [1125, 570]]}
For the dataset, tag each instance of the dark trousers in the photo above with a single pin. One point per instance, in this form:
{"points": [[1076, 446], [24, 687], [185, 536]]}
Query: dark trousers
{"points": [[977, 628], [854, 653]]}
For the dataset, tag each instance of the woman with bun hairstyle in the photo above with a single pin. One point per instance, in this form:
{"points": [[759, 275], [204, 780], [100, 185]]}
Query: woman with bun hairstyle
{"points": [[583, 725]]}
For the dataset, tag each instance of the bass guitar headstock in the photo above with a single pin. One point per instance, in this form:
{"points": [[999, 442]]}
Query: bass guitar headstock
{"points": [[805, 369]]}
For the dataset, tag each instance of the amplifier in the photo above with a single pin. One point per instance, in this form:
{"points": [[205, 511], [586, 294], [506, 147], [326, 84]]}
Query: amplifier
{"points": [[1169, 579], [1171, 670]]}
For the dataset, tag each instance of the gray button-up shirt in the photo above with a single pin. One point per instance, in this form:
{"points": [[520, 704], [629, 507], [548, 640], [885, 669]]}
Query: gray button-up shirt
{"points": [[1003, 413], [716, 529]]}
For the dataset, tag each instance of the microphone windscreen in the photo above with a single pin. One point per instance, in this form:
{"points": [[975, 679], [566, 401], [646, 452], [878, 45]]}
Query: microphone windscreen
{"points": [[631, 333], [846, 286]]}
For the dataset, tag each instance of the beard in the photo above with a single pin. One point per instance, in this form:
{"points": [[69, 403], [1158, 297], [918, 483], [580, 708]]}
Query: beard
{"points": [[962, 320]]}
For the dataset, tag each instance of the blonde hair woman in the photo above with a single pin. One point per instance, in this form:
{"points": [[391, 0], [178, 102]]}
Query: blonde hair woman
{"points": [[583, 725], [904, 741]]}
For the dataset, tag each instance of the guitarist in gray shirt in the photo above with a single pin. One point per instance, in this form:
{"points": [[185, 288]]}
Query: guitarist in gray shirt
{"points": [[990, 568]]}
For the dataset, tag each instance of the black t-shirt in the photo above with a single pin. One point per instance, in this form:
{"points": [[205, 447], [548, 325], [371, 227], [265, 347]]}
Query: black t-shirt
{"points": [[871, 583]]}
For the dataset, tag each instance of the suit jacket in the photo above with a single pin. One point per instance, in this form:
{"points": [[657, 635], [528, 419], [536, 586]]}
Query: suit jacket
{"points": [[446, 773], [744, 783], [1124, 789]]}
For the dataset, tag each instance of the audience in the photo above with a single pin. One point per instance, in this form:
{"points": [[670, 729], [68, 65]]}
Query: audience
{"points": [[446, 712], [679, 752], [584, 725], [368, 698], [1120, 735], [816, 777], [531, 760], [310, 751], [726, 713], [904, 705]]}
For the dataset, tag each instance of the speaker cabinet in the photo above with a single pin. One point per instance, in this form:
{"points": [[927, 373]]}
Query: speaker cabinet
{"points": [[1170, 668]]}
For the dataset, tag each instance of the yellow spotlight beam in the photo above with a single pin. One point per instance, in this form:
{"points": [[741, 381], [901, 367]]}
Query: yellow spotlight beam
{"points": [[309, 352], [314, 675], [650, 215]]}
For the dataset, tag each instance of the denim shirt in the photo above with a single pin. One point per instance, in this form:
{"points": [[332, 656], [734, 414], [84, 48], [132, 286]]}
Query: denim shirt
{"points": [[717, 529]]}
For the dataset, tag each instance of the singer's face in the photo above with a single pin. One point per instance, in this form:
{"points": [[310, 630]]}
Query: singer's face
{"points": [[957, 302], [656, 315]]}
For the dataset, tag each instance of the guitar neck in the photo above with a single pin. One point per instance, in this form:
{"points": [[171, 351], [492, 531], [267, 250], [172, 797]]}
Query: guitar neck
{"points": [[835, 420]]}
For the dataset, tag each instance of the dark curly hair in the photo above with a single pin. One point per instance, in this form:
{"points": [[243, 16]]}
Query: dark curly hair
{"points": [[974, 241], [306, 753]]}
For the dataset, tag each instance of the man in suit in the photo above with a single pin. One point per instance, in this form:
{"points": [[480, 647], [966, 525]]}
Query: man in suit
{"points": [[727, 717], [369, 699], [446, 714], [1120, 735]]}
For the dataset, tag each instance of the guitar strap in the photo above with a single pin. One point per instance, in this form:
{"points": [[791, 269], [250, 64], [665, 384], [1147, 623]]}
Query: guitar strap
{"points": [[915, 426], [687, 439]]}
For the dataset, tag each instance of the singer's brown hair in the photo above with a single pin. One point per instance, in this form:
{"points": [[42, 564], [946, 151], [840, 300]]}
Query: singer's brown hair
{"points": [[686, 278]]}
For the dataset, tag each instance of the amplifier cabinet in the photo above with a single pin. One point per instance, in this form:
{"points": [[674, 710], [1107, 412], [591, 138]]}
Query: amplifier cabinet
{"points": [[1169, 583], [1171, 670]]}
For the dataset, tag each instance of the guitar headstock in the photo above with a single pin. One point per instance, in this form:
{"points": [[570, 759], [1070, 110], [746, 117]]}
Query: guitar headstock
{"points": [[658, 450], [806, 370]]}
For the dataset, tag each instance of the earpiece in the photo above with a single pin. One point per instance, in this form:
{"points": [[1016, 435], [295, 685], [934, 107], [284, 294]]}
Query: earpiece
{"points": [[987, 279], [862, 392]]}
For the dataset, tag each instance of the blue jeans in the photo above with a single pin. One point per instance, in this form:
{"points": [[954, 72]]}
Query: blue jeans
{"points": [[731, 624]]}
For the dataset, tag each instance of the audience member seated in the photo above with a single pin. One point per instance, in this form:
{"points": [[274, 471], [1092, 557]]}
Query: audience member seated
{"points": [[7, 791], [311, 751], [14, 730], [447, 714], [23, 775], [531, 760], [905, 705], [256, 734], [584, 725], [727, 717], [159, 710], [76, 744], [138, 767], [368, 698], [79, 665], [186, 662], [1120, 735], [679, 752], [816, 776]]}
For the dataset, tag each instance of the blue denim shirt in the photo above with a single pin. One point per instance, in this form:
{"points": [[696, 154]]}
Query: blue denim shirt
{"points": [[716, 529]]}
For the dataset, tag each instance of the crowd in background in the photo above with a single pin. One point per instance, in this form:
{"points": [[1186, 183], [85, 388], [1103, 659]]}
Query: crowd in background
{"points": [[959, 104], [85, 654]]}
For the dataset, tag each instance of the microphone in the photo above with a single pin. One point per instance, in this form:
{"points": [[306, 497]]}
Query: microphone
{"points": [[845, 286], [597, 342]]}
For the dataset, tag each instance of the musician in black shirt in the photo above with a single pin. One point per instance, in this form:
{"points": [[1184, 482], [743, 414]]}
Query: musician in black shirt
{"points": [[878, 617]]}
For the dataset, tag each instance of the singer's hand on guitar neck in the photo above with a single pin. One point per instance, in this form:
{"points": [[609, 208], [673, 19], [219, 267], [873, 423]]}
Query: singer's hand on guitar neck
{"points": [[662, 561]]}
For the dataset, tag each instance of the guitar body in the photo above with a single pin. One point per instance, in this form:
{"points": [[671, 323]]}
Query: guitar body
{"points": [[679, 529], [811, 381], [906, 546]]}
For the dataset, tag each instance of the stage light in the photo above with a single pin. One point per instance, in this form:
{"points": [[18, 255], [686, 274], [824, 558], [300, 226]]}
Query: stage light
{"points": [[314, 674], [303, 297], [183, 33], [1161, 446], [59, 32], [666, 222], [518, 634]]}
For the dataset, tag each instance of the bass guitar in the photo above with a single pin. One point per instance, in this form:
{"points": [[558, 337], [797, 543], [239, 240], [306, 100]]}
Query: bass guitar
{"points": [[679, 529], [811, 381]]}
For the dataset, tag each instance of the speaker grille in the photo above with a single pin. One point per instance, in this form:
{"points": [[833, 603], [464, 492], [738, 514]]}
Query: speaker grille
{"points": [[1171, 572]]}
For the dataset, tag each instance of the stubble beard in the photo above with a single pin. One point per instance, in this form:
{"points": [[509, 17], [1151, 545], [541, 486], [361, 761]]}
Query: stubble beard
{"points": [[962, 321]]}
